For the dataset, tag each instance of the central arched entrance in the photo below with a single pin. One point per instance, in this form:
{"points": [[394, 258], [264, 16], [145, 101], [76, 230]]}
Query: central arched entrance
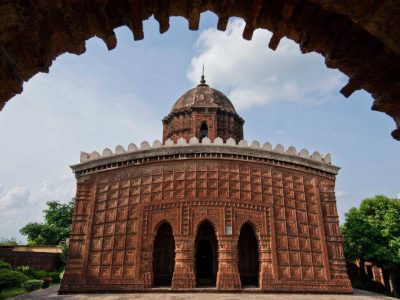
{"points": [[248, 256], [206, 255], [163, 256]]}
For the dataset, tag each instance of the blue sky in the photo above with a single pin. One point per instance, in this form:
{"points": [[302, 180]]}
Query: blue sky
{"points": [[105, 98]]}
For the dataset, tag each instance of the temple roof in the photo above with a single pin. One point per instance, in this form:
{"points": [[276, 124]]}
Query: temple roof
{"points": [[203, 96]]}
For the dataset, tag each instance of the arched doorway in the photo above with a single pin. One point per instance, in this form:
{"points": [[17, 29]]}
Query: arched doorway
{"points": [[248, 256], [163, 256], [203, 131], [206, 246]]}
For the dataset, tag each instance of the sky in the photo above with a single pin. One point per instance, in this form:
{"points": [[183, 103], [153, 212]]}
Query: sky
{"points": [[107, 98]]}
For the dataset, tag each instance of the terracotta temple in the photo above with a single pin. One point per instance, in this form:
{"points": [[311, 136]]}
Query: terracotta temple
{"points": [[205, 210]]}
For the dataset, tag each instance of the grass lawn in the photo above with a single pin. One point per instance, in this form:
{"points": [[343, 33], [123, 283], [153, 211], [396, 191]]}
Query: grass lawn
{"points": [[12, 292]]}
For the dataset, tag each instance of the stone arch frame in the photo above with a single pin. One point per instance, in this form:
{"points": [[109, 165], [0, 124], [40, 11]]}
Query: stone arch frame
{"points": [[257, 233], [203, 220], [155, 228], [263, 236], [253, 225], [155, 231], [349, 29]]}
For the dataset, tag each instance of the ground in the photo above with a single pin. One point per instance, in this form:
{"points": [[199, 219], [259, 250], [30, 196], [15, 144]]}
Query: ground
{"points": [[51, 294]]}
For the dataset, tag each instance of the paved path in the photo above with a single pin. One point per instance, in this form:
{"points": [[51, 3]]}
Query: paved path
{"points": [[51, 294]]}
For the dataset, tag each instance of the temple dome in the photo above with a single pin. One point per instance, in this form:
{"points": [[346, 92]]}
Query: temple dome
{"points": [[202, 96], [203, 112]]}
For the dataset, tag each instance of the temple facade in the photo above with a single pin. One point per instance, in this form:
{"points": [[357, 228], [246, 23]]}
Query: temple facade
{"points": [[205, 209]]}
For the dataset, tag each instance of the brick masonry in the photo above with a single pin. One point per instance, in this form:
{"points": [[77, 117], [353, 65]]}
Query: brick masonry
{"points": [[193, 200], [292, 210]]}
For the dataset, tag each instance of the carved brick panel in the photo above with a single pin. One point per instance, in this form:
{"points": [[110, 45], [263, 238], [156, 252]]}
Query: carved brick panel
{"points": [[118, 212]]}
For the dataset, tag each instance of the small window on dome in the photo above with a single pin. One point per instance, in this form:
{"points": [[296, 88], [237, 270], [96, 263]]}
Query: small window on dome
{"points": [[203, 131]]}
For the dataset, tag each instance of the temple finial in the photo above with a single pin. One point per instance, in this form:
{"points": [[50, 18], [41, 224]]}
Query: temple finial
{"points": [[202, 80]]}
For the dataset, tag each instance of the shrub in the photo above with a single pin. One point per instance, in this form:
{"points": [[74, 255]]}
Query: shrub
{"points": [[27, 270], [39, 274], [32, 273], [55, 276], [32, 285], [4, 265], [9, 278]]}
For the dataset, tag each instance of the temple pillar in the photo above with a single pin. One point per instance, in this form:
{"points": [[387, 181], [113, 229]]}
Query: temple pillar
{"points": [[266, 275], [76, 270], [184, 275], [228, 273], [335, 259]]}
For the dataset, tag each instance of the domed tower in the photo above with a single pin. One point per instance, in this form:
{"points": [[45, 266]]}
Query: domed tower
{"points": [[203, 112]]}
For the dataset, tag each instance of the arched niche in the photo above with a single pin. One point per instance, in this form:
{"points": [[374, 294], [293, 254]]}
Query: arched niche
{"points": [[163, 255], [248, 256], [206, 255]]}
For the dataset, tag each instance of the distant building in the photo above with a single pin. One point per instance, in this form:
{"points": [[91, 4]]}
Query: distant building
{"points": [[37, 257], [205, 209], [369, 276]]}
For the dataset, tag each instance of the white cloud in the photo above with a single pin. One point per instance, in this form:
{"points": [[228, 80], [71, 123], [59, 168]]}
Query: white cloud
{"points": [[21, 205], [15, 209], [398, 196], [254, 75], [14, 198], [61, 190]]}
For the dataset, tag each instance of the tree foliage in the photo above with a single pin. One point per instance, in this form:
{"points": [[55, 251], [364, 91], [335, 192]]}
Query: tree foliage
{"points": [[64, 253], [8, 242], [56, 227], [372, 231]]}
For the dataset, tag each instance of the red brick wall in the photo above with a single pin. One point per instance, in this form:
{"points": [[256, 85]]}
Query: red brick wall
{"points": [[292, 209]]}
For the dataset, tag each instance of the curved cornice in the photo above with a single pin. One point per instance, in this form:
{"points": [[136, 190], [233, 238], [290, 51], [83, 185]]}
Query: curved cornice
{"points": [[93, 163]]}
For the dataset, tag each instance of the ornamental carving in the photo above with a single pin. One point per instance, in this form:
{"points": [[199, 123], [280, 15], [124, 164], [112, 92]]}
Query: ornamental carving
{"points": [[255, 218], [169, 216]]}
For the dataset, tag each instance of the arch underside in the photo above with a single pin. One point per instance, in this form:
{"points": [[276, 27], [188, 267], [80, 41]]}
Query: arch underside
{"points": [[361, 39]]}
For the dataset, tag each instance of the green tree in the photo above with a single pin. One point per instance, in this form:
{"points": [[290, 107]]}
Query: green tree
{"points": [[372, 232], [56, 227], [65, 251], [8, 242]]}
